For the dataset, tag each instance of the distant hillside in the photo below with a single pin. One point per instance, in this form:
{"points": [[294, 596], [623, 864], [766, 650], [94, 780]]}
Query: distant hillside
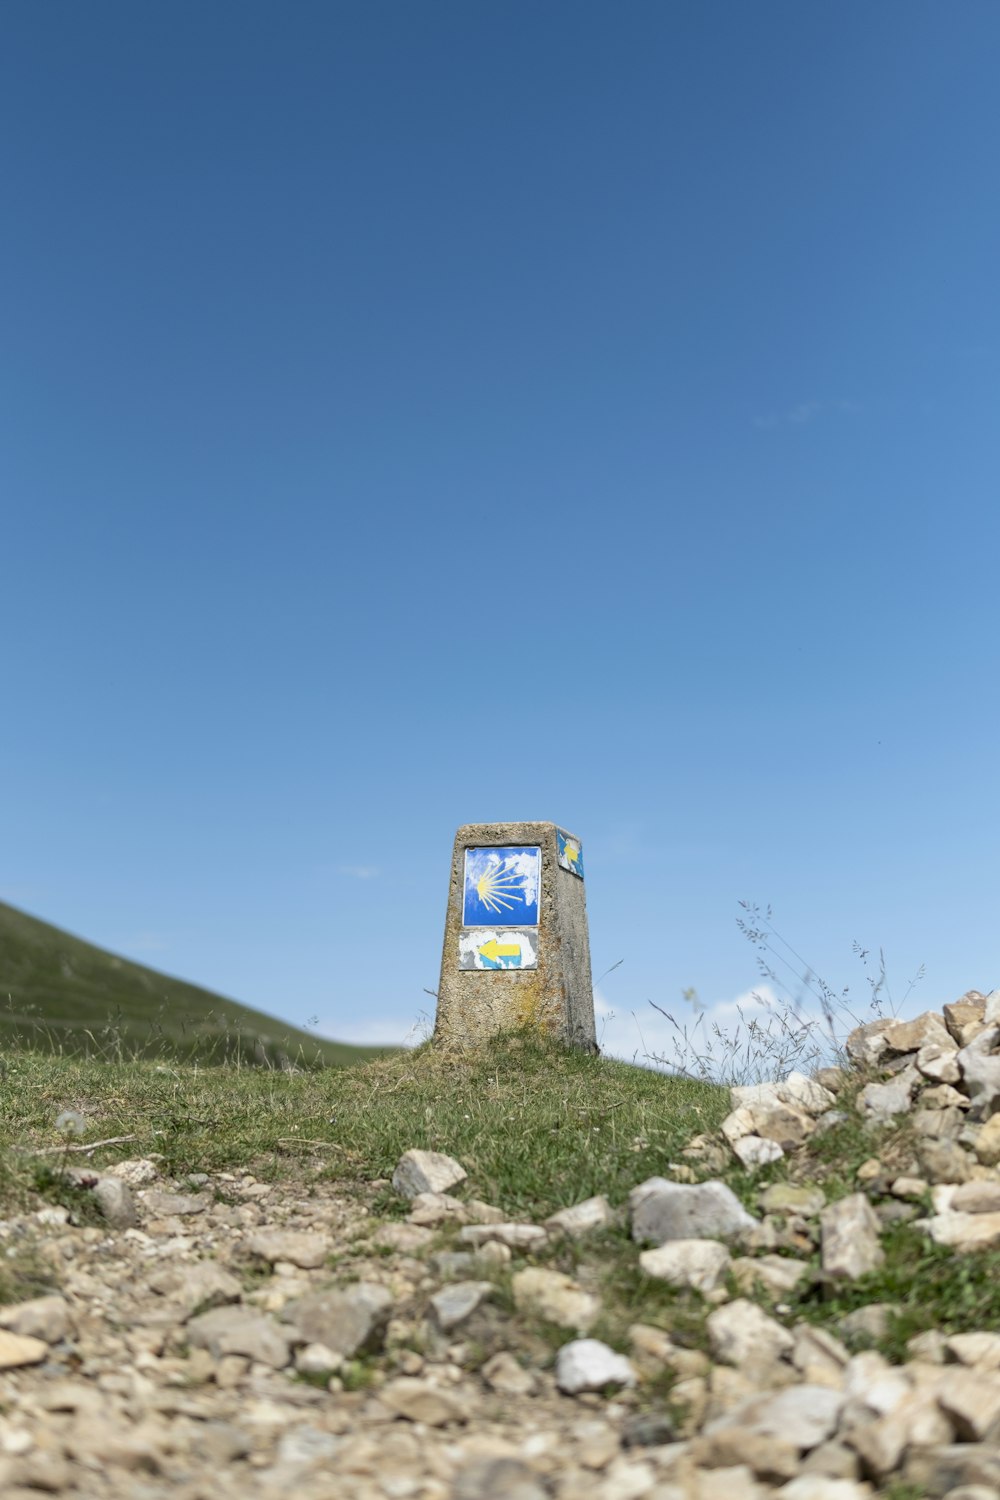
{"points": [[59, 994]]}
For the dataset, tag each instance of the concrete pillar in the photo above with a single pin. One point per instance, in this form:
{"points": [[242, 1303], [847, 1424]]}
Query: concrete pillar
{"points": [[516, 947]]}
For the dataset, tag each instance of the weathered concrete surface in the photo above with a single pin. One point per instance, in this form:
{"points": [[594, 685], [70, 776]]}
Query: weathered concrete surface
{"points": [[557, 996]]}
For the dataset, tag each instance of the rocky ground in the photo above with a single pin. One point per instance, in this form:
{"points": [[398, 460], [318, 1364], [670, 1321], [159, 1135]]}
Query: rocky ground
{"points": [[223, 1336]]}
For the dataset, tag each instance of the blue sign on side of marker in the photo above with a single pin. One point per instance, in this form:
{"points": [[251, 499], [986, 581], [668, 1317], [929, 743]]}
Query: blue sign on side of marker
{"points": [[570, 853], [502, 887]]}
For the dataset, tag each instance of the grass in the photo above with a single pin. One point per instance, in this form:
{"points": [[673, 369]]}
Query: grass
{"points": [[537, 1126], [64, 996]]}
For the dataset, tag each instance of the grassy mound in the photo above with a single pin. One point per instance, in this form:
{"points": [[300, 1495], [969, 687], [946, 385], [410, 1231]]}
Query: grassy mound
{"points": [[61, 995]]}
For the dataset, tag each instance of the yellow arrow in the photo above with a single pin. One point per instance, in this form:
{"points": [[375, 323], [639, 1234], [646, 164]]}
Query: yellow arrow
{"points": [[494, 950]]}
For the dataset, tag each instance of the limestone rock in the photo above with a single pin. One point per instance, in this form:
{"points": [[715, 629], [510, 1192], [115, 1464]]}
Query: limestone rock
{"points": [[453, 1304], [554, 1298], [426, 1172], [239, 1330], [503, 1373], [742, 1334], [850, 1240], [976, 1198], [116, 1203], [350, 1320], [964, 1018], [515, 1236], [199, 1286], [406, 1238], [802, 1415], [175, 1205], [909, 1036], [308, 1251], [981, 1350], [592, 1213], [45, 1318], [700, 1264], [662, 1211], [498, 1479], [882, 1101], [964, 1232], [420, 1401], [979, 1066], [17, 1349], [137, 1172], [971, 1399], [866, 1044], [943, 1161], [787, 1198], [777, 1274], [754, 1151], [987, 1147], [589, 1365], [939, 1062]]}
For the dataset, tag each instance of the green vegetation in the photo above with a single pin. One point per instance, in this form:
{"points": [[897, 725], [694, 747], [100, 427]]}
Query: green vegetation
{"points": [[61, 995], [536, 1125]]}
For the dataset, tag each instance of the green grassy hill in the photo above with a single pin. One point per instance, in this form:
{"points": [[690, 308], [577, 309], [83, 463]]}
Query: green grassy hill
{"points": [[58, 994]]}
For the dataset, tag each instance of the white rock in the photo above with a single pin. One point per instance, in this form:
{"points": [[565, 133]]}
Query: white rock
{"points": [[317, 1359], [700, 1264], [419, 1401], [807, 1094], [44, 1318], [17, 1349], [803, 1415], [554, 1298], [589, 1365], [662, 1210], [981, 1350], [743, 1334], [426, 1172], [939, 1062], [850, 1238], [592, 1213], [754, 1151], [299, 1247], [963, 1232], [816, 1487], [516, 1236], [454, 1303]]}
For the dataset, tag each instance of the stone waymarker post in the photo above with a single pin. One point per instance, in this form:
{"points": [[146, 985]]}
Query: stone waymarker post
{"points": [[516, 948]]}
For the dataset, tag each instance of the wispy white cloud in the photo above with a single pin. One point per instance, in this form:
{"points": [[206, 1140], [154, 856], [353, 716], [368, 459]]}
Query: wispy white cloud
{"points": [[804, 412], [359, 872]]}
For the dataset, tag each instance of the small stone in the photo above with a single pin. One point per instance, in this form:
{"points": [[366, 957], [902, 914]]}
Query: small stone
{"points": [[554, 1298], [981, 1350], [971, 1399], [45, 1318], [943, 1096], [429, 1210], [497, 1479], [777, 1274], [943, 1161], [426, 1172], [787, 1198], [137, 1173], [754, 1151], [222, 1442], [817, 1350], [819, 1487], [976, 1198], [964, 1018], [306, 1446], [987, 1147], [980, 1069], [300, 1248], [405, 1239], [912, 1189], [662, 1211], [909, 1036], [350, 1320], [648, 1430], [515, 1236], [698, 1264], [870, 1322], [938, 1124], [503, 1373], [742, 1334], [317, 1359], [238, 1330], [883, 1101], [420, 1401], [850, 1243], [197, 1287], [589, 1365], [458, 1301], [964, 1232], [116, 1203], [939, 1062], [17, 1349], [175, 1205], [582, 1218]]}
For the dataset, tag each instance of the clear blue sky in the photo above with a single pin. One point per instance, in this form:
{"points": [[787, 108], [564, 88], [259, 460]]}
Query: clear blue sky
{"points": [[420, 414]]}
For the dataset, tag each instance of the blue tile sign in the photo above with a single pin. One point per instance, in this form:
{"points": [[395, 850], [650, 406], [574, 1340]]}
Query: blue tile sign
{"points": [[569, 852], [501, 887]]}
